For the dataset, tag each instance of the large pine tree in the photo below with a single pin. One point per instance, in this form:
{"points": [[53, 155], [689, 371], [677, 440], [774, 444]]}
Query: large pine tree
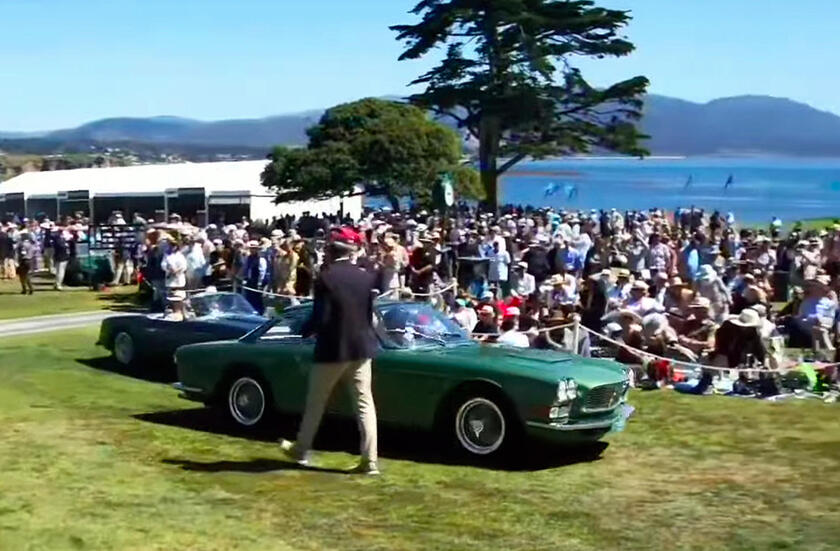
{"points": [[509, 78]]}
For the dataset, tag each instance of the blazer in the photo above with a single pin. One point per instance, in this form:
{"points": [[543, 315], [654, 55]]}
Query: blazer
{"points": [[342, 314]]}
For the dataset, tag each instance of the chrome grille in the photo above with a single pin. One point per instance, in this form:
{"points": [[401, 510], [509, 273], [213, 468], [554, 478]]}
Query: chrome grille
{"points": [[602, 398]]}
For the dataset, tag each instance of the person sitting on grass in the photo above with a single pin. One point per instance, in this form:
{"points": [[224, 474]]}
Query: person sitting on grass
{"points": [[661, 339], [817, 313], [639, 302], [698, 332], [737, 339]]}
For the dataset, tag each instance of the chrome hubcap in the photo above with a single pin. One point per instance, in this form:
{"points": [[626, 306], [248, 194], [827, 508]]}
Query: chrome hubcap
{"points": [[480, 426], [247, 401], [124, 348]]}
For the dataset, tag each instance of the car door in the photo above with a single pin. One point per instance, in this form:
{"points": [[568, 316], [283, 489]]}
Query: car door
{"points": [[160, 337], [408, 385], [285, 358]]}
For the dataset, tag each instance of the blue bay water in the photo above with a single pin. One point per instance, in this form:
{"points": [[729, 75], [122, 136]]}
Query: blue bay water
{"points": [[793, 189]]}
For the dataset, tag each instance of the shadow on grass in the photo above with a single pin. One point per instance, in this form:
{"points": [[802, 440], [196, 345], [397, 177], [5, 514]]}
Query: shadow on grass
{"points": [[341, 435], [259, 465], [134, 302], [158, 374]]}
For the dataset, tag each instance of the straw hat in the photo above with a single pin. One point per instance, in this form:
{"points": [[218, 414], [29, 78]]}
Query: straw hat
{"points": [[639, 285], [747, 318], [677, 281], [557, 279], [823, 281], [622, 313], [700, 302]]}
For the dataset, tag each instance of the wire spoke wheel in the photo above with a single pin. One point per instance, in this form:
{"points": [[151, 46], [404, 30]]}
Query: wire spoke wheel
{"points": [[246, 401], [480, 426]]}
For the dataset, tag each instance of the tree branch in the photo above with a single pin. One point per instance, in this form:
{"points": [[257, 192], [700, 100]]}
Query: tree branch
{"points": [[510, 162]]}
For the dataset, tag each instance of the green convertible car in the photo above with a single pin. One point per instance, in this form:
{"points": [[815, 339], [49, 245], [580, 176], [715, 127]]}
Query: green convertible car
{"points": [[429, 374]]}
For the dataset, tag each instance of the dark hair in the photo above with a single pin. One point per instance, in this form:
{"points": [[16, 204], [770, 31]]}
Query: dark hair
{"points": [[508, 323], [338, 249]]}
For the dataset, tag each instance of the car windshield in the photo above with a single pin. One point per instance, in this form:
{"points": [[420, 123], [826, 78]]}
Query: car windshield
{"points": [[409, 324], [218, 304]]}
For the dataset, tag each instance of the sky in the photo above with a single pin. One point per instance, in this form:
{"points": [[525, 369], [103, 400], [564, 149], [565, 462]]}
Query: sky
{"points": [[66, 62]]}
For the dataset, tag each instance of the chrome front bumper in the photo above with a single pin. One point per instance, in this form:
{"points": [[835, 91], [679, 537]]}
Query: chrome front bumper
{"points": [[623, 412]]}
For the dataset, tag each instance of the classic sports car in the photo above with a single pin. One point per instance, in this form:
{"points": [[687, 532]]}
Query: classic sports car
{"points": [[429, 374], [153, 338]]}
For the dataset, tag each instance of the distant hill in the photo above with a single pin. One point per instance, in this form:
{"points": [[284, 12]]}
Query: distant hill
{"points": [[281, 129], [745, 125]]}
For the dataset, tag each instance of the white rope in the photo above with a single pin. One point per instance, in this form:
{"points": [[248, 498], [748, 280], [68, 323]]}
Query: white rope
{"points": [[434, 293], [528, 332], [691, 366], [269, 293]]}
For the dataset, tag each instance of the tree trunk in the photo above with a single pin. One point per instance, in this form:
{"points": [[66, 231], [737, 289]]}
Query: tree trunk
{"points": [[488, 153], [395, 203]]}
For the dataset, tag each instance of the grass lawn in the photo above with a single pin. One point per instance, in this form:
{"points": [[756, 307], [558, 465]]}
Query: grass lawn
{"points": [[815, 223], [92, 459], [42, 303]]}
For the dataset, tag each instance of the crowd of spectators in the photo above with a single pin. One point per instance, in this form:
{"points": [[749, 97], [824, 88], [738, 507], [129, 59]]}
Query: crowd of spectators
{"points": [[688, 285]]}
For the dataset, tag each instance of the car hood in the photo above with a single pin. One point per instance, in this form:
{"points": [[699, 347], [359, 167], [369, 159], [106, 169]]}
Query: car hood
{"points": [[550, 365]]}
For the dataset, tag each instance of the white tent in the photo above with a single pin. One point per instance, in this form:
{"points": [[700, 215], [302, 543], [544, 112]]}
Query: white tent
{"points": [[216, 184]]}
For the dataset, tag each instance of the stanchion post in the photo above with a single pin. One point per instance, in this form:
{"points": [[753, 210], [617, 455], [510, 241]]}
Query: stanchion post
{"points": [[576, 332]]}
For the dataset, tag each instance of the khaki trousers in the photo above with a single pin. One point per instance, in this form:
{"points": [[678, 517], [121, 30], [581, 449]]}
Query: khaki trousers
{"points": [[322, 379], [9, 268]]}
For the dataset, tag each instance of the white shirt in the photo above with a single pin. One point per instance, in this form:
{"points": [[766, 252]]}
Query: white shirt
{"points": [[644, 306], [499, 262], [514, 338], [175, 266], [466, 318], [526, 285]]}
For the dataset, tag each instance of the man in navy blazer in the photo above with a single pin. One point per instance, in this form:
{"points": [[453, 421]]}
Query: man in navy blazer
{"points": [[342, 322]]}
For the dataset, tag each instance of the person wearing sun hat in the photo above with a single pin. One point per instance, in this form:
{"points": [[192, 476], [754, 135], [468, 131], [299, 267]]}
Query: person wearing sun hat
{"points": [[523, 284], [639, 301], [621, 290], [342, 322], [698, 332], [254, 270], [737, 339]]}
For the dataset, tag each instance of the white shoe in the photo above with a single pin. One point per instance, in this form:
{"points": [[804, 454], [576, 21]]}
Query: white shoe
{"points": [[289, 450], [368, 468]]}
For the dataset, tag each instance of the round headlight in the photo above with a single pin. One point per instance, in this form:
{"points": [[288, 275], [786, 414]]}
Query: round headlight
{"points": [[562, 391], [572, 388]]}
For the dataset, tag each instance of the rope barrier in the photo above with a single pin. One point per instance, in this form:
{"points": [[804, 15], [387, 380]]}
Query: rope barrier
{"points": [[435, 293], [543, 330], [269, 293], [691, 366]]}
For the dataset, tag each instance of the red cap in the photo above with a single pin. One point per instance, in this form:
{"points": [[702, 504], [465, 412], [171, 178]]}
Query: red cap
{"points": [[346, 235]]}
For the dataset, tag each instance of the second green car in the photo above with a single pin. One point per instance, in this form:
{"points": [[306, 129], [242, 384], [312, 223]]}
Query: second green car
{"points": [[429, 374]]}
